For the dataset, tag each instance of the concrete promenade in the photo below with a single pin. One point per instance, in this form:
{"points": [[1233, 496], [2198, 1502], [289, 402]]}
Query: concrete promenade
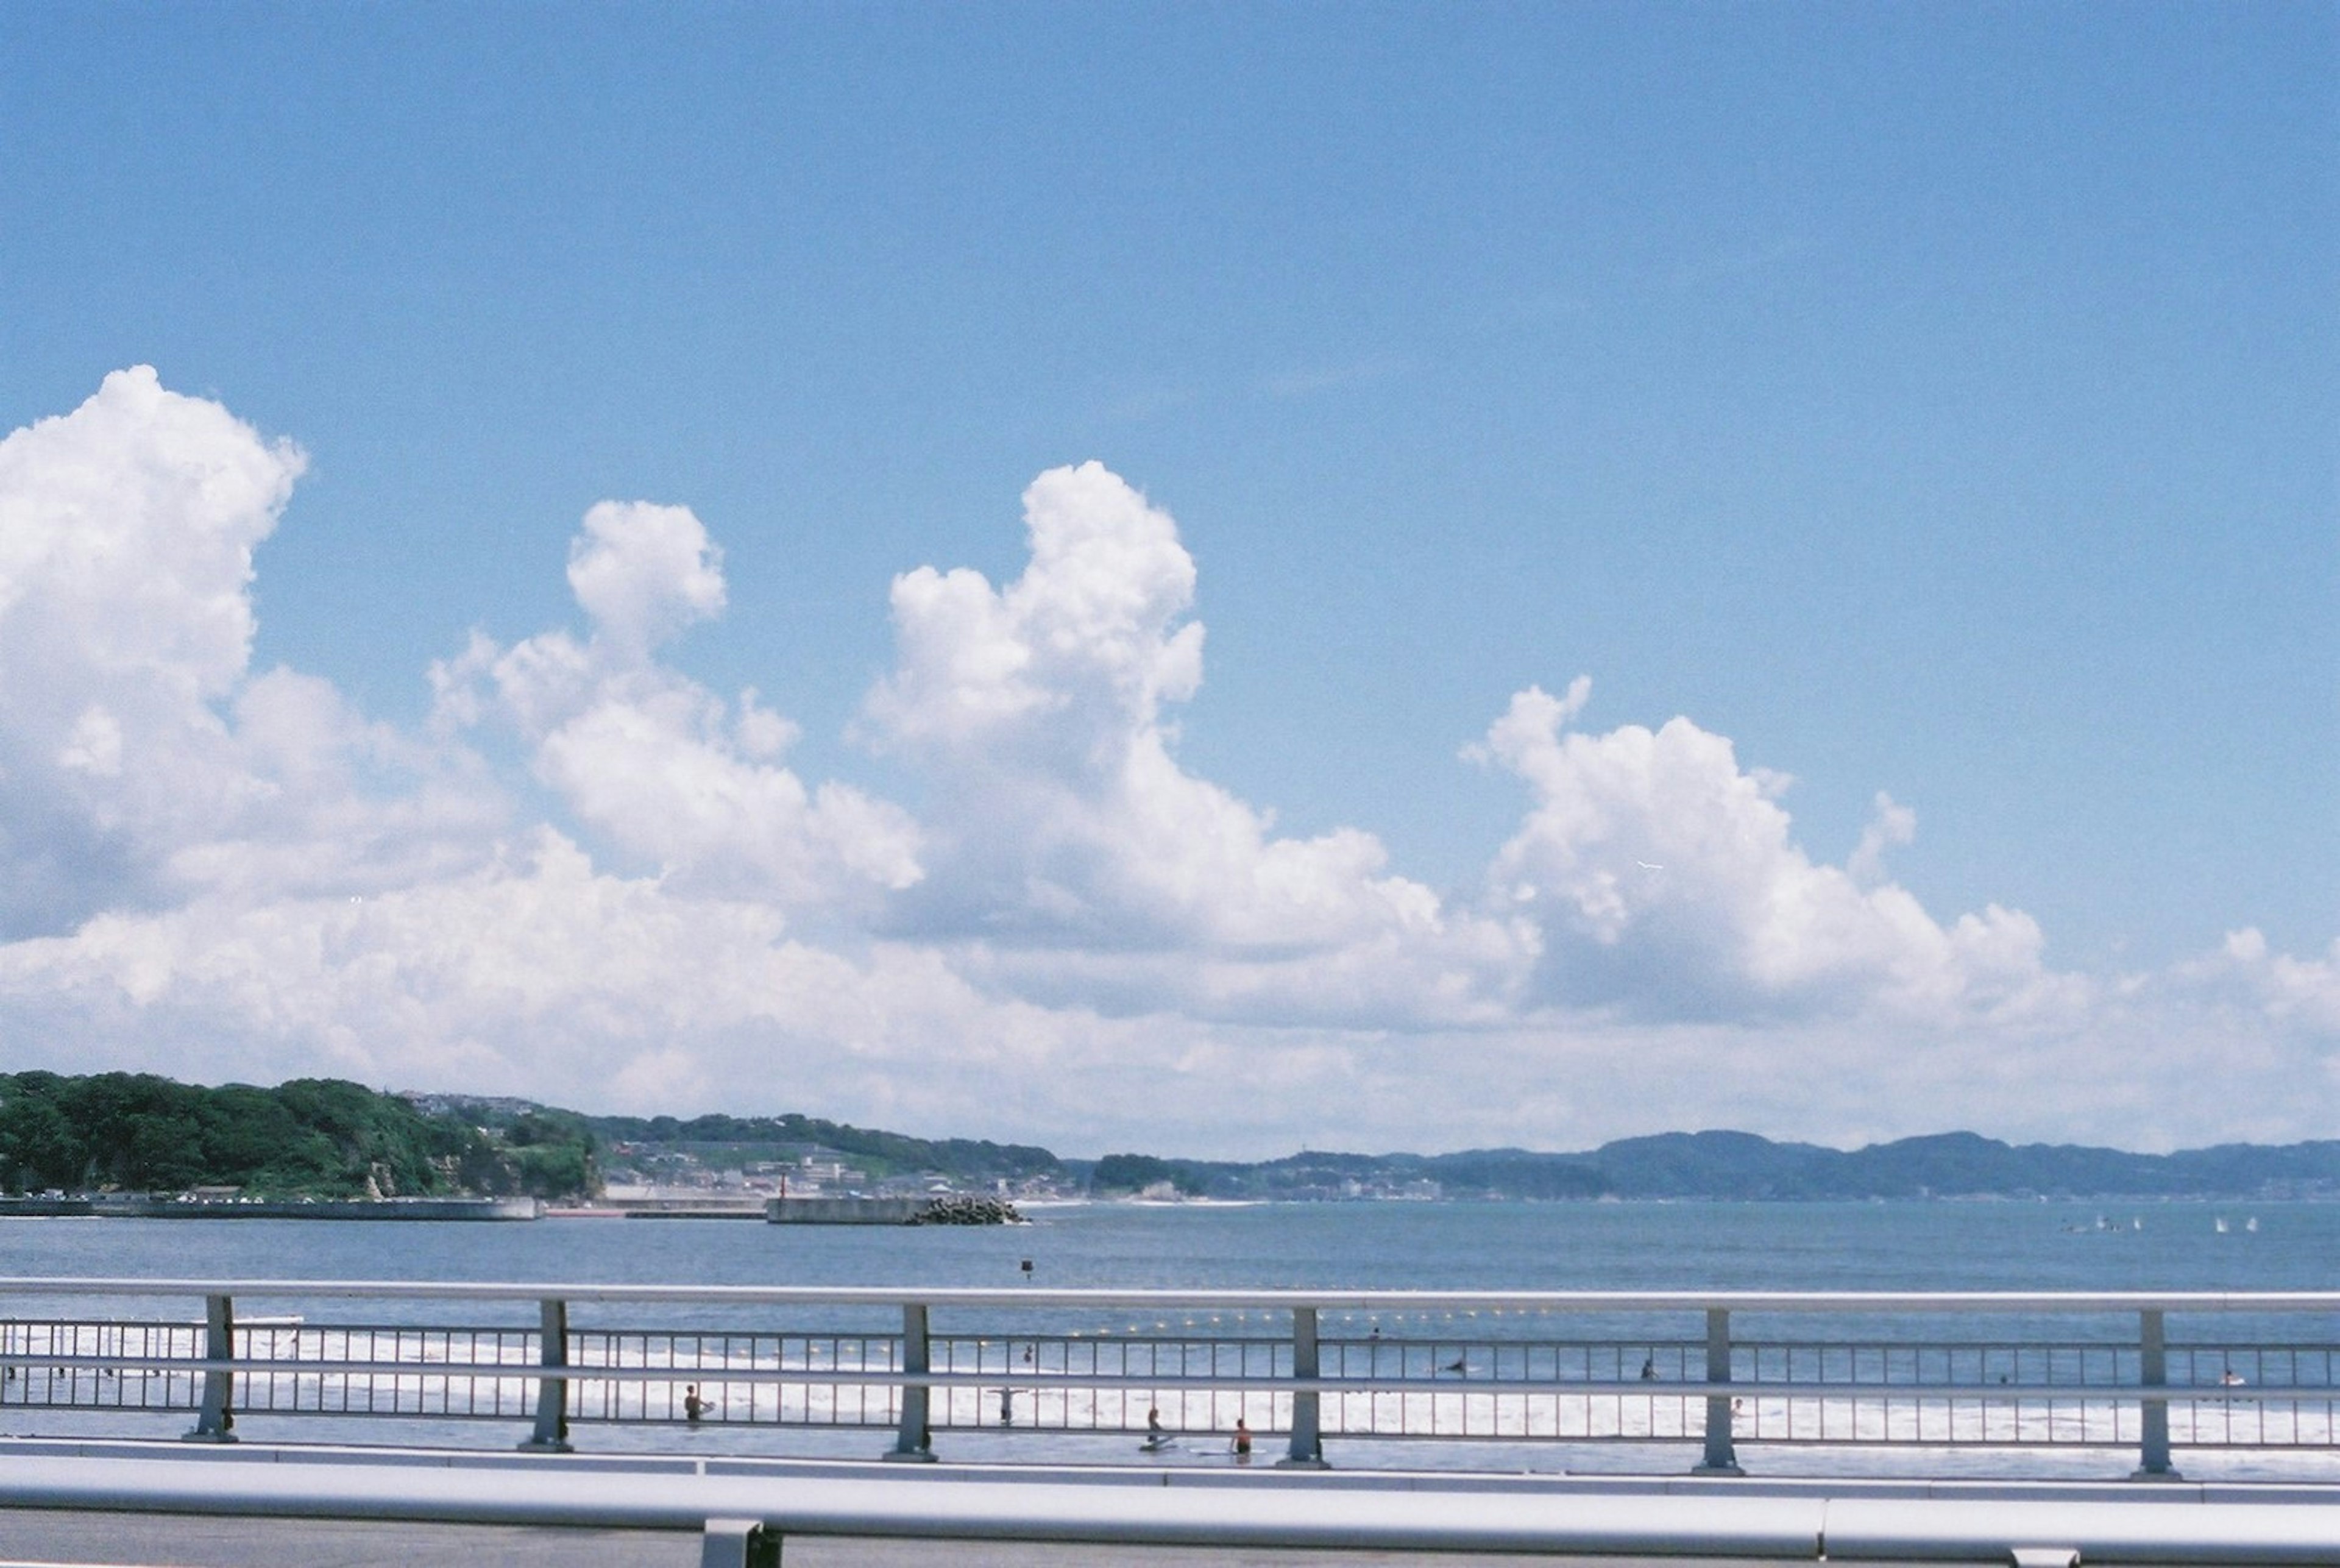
{"points": [[148, 1504]]}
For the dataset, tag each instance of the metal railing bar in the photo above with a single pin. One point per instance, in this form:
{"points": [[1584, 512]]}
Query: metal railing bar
{"points": [[1026, 1379], [1808, 1525], [2049, 1302]]}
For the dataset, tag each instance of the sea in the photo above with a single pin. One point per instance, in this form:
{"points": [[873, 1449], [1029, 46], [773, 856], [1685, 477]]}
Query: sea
{"points": [[1924, 1245], [1914, 1246]]}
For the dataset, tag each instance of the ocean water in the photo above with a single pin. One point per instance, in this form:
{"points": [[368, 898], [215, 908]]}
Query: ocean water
{"points": [[1904, 1246], [2009, 1245], [1362, 1245]]}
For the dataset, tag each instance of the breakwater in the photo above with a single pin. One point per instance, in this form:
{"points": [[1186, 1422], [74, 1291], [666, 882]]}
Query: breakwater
{"points": [[950, 1209]]}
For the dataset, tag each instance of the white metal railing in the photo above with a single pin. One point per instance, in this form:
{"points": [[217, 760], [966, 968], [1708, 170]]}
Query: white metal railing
{"points": [[744, 1510], [1712, 1369]]}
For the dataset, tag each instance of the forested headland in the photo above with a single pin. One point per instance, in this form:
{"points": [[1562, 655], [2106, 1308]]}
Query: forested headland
{"points": [[309, 1138]]}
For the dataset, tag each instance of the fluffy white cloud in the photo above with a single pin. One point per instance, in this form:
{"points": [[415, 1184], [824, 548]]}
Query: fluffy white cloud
{"points": [[1060, 670], [535, 974], [529, 971], [661, 767], [2245, 976], [139, 763], [1666, 881], [126, 533], [1074, 853], [644, 572], [1892, 824]]}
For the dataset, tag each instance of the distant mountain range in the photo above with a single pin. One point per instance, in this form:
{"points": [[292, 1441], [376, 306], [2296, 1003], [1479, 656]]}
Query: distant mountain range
{"points": [[1707, 1165], [1742, 1166]]}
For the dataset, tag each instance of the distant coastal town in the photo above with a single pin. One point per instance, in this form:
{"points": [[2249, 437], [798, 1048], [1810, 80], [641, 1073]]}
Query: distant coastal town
{"points": [[125, 1136]]}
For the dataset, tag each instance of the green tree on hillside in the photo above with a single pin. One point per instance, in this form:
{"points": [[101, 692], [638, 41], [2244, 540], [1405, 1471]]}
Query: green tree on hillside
{"points": [[1136, 1172], [316, 1138]]}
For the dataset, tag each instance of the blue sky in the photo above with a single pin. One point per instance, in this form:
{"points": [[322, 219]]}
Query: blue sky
{"points": [[1926, 400]]}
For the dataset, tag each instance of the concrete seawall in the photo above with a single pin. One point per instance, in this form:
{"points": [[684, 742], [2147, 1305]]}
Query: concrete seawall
{"points": [[844, 1210], [417, 1208]]}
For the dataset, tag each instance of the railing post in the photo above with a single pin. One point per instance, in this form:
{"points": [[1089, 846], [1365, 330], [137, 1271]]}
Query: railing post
{"points": [[2152, 1372], [914, 1440], [1307, 1450], [216, 1422], [551, 1435], [738, 1544], [1721, 1457]]}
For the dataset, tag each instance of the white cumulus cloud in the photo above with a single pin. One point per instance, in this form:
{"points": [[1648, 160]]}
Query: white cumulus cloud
{"points": [[1892, 823], [644, 572], [661, 767], [1667, 881], [140, 761], [536, 974], [2245, 975], [1072, 851]]}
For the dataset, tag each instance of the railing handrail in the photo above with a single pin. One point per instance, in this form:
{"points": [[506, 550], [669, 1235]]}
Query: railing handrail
{"points": [[1278, 1298], [1809, 1521], [1228, 1382]]}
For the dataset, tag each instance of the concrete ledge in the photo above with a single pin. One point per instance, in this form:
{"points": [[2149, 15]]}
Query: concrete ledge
{"points": [[843, 1210]]}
